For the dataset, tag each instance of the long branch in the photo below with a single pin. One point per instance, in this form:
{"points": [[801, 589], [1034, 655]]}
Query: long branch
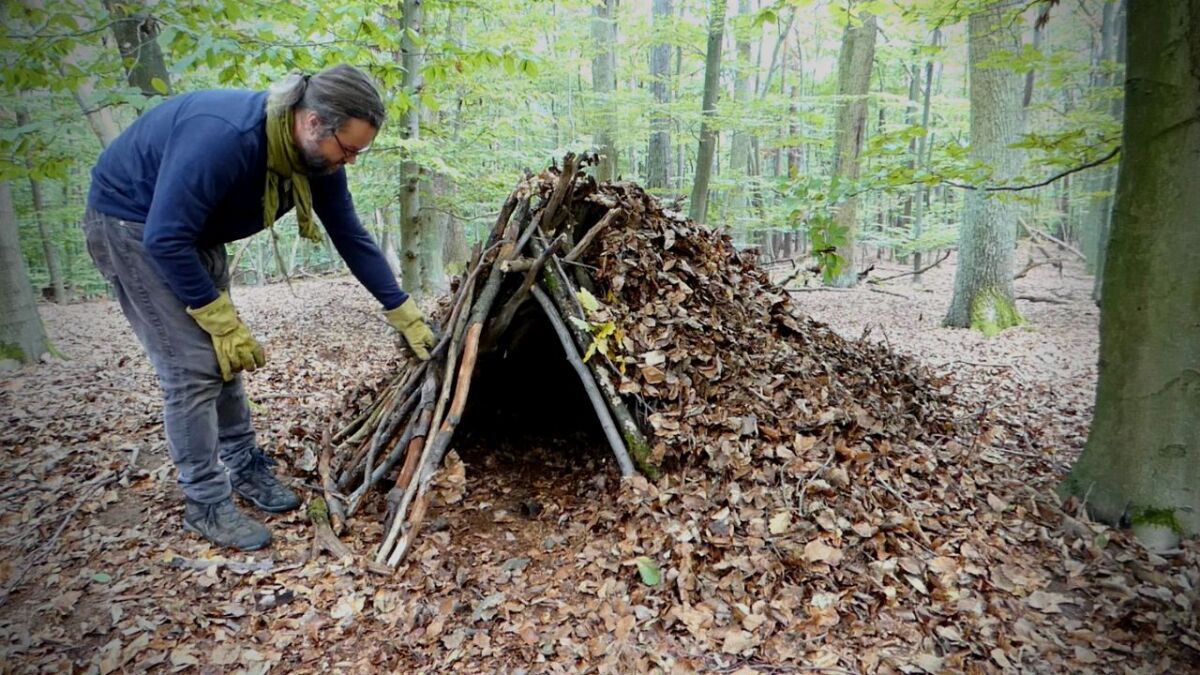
{"points": [[1044, 183]]}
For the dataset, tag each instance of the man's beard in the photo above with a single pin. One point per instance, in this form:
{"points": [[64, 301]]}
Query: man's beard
{"points": [[316, 163]]}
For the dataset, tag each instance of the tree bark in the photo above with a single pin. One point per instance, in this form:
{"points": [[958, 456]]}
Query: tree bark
{"points": [[39, 213], [983, 291], [854, 80], [1110, 178], [410, 170], [434, 222], [923, 160], [739, 145], [698, 209], [22, 336], [604, 83], [1142, 458], [136, 32], [659, 160]]}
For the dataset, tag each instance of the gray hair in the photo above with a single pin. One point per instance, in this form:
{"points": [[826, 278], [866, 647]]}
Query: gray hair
{"points": [[336, 95]]}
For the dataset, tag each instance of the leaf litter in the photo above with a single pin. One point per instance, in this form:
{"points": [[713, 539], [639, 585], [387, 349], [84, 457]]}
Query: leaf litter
{"points": [[849, 496]]}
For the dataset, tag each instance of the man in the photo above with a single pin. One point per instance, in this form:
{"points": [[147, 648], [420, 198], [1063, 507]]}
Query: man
{"points": [[190, 175]]}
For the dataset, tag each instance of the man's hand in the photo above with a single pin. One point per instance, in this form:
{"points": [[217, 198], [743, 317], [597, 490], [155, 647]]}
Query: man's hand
{"points": [[236, 349], [408, 321]]}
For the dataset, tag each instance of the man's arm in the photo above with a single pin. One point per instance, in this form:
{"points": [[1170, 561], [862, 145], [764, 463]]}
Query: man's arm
{"points": [[335, 208], [203, 158]]}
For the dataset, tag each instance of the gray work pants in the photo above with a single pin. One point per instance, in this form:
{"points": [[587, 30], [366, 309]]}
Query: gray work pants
{"points": [[207, 420]]}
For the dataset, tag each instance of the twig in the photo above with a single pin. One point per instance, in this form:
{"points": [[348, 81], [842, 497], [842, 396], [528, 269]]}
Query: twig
{"points": [[1062, 244], [910, 273], [916, 518], [591, 235], [235, 566], [1043, 183], [52, 543], [804, 488], [1042, 298]]}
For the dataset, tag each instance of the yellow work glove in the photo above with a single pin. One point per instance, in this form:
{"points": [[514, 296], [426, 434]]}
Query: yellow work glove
{"points": [[408, 321], [236, 349]]}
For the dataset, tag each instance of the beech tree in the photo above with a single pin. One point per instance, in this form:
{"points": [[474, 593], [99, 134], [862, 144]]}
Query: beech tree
{"points": [[698, 208], [22, 336], [854, 79], [983, 283], [1141, 463]]}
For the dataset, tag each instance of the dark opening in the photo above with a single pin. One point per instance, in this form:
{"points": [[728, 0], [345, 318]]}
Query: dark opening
{"points": [[527, 400]]}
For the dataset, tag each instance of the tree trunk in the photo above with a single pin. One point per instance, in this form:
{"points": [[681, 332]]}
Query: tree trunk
{"points": [[22, 336], [1110, 178], [918, 228], [39, 214], [1142, 458], [854, 80], [1095, 180], [604, 83], [698, 208], [434, 221], [383, 224], [659, 159], [455, 251], [983, 288], [739, 145], [410, 171], [136, 32]]}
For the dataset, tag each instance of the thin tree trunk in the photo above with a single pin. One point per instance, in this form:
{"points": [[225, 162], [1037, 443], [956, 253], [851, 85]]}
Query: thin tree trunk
{"points": [[923, 159], [659, 159], [983, 289], [604, 83], [1140, 464], [1110, 179], [433, 236], [22, 336], [854, 80], [410, 171], [39, 213], [698, 208]]}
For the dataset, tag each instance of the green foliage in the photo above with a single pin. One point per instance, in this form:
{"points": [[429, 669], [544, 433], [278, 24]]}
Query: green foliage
{"points": [[504, 88]]}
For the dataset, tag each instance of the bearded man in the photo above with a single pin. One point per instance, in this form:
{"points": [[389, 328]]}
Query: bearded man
{"points": [[198, 171]]}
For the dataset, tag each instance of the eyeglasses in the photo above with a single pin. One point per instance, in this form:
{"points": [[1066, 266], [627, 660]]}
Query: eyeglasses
{"points": [[349, 152]]}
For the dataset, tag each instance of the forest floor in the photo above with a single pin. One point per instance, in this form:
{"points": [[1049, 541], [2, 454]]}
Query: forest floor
{"points": [[99, 576]]}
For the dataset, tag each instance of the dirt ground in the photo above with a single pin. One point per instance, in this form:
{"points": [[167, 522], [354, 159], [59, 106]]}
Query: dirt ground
{"points": [[517, 576]]}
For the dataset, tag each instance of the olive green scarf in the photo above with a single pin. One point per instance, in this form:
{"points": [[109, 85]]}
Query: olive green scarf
{"points": [[283, 162]]}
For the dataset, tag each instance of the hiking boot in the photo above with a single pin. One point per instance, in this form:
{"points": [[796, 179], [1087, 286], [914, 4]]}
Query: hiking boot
{"points": [[256, 483], [222, 523]]}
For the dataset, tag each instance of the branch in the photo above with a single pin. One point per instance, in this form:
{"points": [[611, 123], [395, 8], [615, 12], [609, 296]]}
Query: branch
{"points": [[912, 272], [1044, 183]]}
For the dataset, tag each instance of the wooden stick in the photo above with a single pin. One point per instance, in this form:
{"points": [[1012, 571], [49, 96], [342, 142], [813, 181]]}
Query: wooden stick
{"points": [[592, 234], [413, 436], [337, 517], [324, 540], [562, 293], [460, 327], [504, 317], [561, 186], [1061, 244], [432, 456], [589, 383]]}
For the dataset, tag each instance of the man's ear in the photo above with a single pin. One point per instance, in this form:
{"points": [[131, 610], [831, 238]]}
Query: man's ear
{"points": [[312, 121]]}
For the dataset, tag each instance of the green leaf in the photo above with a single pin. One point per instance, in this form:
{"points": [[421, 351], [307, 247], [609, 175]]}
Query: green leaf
{"points": [[648, 570], [102, 577], [589, 301], [159, 85]]}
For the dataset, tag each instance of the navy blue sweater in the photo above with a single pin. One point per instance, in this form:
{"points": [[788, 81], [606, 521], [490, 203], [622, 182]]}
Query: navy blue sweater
{"points": [[193, 170]]}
